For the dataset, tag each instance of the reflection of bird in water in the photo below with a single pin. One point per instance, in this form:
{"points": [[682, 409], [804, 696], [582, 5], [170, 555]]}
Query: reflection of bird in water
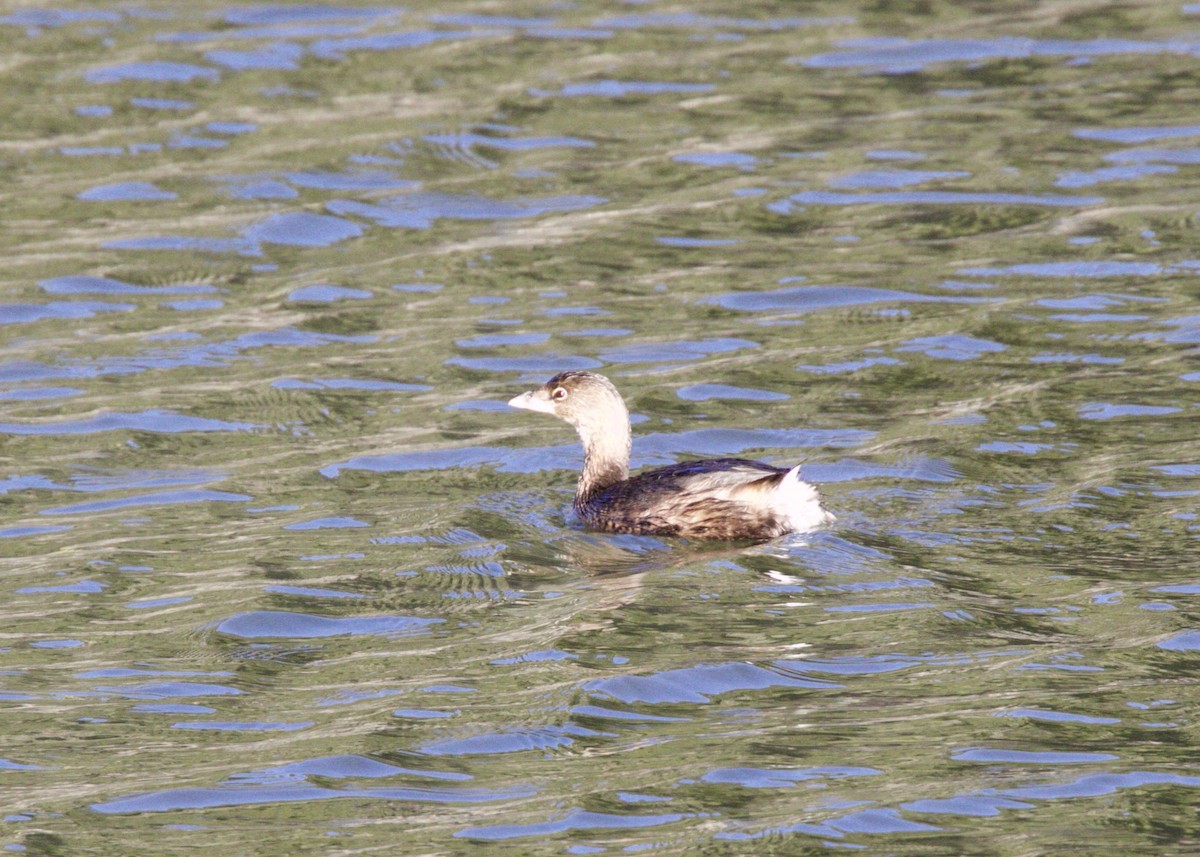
{"points": [[719, 498], [577, 583]]}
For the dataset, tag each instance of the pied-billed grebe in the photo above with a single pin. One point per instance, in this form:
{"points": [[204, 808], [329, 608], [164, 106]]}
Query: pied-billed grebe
{"points": [[719, 498]]}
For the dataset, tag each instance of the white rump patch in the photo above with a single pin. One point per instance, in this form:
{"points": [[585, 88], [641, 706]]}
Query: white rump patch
{"points": [[798, 503]]}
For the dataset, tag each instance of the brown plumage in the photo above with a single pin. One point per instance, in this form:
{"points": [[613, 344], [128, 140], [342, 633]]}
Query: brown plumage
{"points": [[718, 498]]}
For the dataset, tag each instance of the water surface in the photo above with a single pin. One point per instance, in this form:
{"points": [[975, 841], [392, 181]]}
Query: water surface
{"points": [[280, 563]]}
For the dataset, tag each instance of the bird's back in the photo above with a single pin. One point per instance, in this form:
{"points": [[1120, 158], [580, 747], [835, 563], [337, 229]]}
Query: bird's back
{"points": [[723, 498]]}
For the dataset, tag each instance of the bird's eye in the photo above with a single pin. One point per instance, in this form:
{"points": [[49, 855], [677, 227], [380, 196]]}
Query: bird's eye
{"points": [[559, 394]]}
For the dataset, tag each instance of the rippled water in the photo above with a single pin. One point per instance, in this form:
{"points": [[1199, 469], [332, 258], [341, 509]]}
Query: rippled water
{"points": [[282, 568]]}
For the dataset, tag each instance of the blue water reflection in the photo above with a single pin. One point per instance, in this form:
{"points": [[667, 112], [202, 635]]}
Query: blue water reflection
{"points": [[705, 392], [61, 310], [281, 55], [697, 684], [302, 229], [810, 298], [929, 197], [622, 88], [421, 210], [894, 178], [327, 294], [575, 819], [126, 191], [901, 56], [158, 421], [153, 70], [85, 285], [764, 778], [286, 625], [236, 793], [162, 498]]}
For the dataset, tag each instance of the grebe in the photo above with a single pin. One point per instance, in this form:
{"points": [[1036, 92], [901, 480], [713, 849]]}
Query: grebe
{"points": [[718, 498]]}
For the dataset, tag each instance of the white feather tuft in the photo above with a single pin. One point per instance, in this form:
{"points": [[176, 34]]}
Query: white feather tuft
{"points": [[798, 502]]}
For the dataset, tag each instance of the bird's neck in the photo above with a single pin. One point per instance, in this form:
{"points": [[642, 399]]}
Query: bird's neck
{"points": [[606, 448]]}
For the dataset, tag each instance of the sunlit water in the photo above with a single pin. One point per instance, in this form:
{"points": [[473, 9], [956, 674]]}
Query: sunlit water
{"points": [[281, 568]]}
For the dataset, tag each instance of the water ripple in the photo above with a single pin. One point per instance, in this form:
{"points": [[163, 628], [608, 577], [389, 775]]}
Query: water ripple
{"points": [[623, 88], [162, 498], [157, 421], [696, 684], [26, 313], [236, 794], [153, 70], [252, 244], [931, 197], [284, 625], [764, 778], [85, 285], [574, 819], [810, 298], [421, 210], [900, 56], [652, 449]]}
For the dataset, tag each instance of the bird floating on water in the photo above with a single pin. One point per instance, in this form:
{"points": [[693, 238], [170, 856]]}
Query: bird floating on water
{"points": [[717, 498]]}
